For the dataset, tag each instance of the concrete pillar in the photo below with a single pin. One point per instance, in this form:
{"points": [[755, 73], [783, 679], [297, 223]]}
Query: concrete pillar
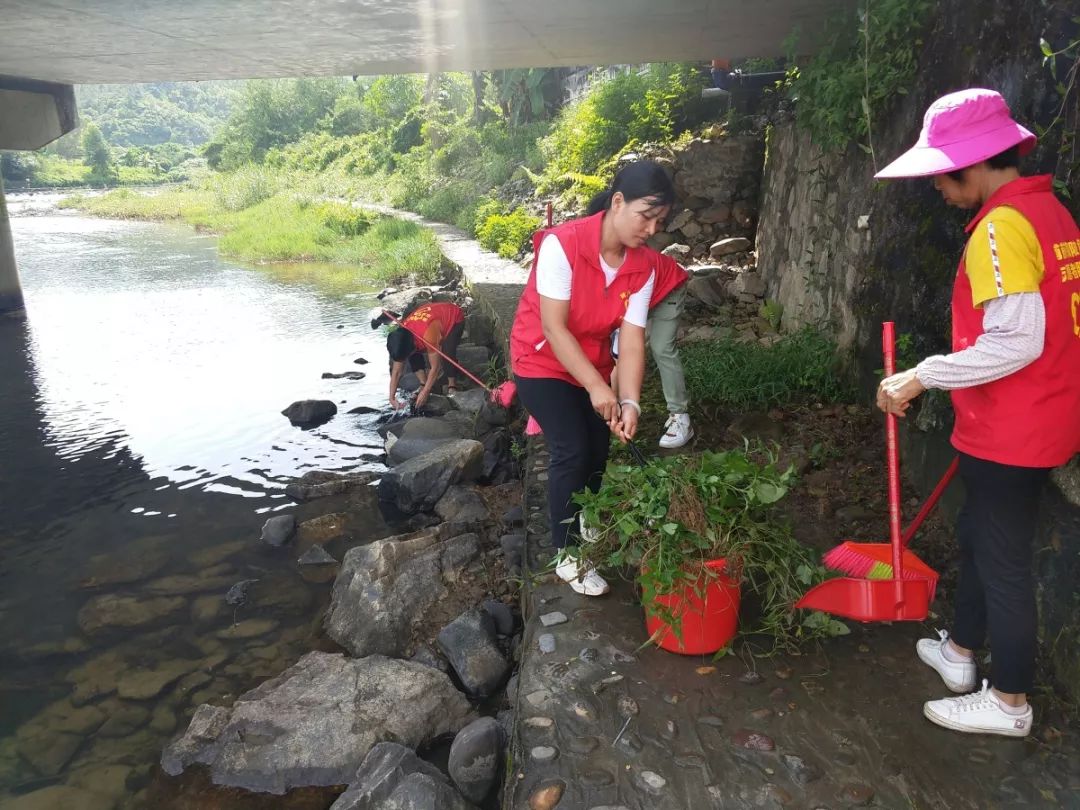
{"points": [[11, 297]]}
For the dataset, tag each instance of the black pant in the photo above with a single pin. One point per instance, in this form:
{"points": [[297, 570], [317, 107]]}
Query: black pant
{"points": [[578, 440], [417, 361], [996, 592], [449, 347]]}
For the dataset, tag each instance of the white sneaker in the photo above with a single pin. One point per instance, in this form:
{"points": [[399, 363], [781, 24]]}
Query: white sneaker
{"points": [[584, 581], [978, 713], [677, 431], [958, 677]]}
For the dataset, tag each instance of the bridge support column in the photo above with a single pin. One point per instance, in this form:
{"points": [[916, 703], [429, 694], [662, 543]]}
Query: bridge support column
{"points": [[11, 297]]}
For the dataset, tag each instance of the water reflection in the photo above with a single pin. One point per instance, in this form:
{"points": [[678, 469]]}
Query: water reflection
{"points": [[141, 334], [142, 444]]}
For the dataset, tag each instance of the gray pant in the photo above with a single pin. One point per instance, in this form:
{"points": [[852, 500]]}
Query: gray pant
{"points": [[663, 327]]}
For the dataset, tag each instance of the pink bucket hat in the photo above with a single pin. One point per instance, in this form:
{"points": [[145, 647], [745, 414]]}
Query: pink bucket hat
{"points": [[960, 130]]}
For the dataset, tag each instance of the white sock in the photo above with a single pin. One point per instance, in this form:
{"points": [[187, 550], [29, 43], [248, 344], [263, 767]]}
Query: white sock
{"points": [[1005, 707], [954, 657]]}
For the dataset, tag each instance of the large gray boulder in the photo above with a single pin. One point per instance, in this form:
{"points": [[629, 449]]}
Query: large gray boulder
{"points": [[310, 412], [384, 589], [379, 782], [469, 645], [401, 450], [419, 483], [314, 724]]}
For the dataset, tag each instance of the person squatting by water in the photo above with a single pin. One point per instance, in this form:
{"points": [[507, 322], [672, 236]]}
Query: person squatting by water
{"points": [[424, 329], [591, 276], [1014, 374]]}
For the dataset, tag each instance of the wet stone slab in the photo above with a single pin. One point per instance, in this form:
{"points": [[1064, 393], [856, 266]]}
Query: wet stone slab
{"points": [[605, 723]]}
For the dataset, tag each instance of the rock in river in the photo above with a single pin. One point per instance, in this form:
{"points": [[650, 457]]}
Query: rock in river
{"points": [[310, 412], [419, 483], [385, 589], [114, 611], [314, 724]]}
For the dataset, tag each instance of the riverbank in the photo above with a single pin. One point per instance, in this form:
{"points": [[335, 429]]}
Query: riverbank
{"points": [[259, 218]]}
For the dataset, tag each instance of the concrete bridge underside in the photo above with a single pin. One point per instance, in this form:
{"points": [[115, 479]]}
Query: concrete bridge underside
{"points": [[46, 46], [124, 41]]}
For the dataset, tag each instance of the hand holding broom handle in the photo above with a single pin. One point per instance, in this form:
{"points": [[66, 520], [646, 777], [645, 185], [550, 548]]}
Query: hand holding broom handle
{"points": [[888, 345]]}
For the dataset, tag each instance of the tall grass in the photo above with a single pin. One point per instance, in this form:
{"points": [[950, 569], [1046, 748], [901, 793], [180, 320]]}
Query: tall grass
{"points": [[802, 367], [260, 223]]}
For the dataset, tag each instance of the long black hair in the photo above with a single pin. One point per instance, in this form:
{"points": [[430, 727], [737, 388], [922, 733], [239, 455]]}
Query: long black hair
{"points": [[642, 179]]}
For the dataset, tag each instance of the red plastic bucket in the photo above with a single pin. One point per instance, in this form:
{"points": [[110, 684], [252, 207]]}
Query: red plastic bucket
{"points": [[709, 614]]}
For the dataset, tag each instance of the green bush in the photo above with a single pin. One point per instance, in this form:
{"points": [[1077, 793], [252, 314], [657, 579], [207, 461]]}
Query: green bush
{"points": [[506, 234], [657, 105], [801, 367]]}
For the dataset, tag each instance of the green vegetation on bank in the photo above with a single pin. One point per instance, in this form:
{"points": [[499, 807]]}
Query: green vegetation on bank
{"points": [[473, 150], [260, 220], [800, 367], [468, 149]]}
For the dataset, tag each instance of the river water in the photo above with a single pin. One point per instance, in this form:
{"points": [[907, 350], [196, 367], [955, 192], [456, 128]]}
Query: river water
{"points": [[142, 449]]}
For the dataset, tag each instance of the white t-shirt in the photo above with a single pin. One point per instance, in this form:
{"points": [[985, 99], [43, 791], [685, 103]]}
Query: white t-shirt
{"points": [[554, 274]]}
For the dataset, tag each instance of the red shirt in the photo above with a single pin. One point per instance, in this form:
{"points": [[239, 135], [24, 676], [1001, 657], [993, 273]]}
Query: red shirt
{"points": [[596, 309], [1030, 418], [429, 320]]}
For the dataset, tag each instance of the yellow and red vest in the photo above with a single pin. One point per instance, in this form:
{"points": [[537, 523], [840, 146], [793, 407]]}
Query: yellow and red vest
{"points": [[1030, 418], [420, 319], [596, 309]]}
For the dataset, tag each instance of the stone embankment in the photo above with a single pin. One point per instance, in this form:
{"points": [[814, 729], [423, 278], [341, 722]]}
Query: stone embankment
{"points": [[422, 628]]}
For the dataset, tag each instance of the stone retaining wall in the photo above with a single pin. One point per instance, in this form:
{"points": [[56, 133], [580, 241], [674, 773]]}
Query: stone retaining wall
{"points": [[840, 250]]}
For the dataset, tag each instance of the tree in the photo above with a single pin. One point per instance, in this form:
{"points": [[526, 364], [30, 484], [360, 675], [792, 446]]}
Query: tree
{"points": [[18, 166], [96, 154]]}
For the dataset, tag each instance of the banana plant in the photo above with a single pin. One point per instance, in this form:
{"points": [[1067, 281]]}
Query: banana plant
{"points": [[521, 93]]}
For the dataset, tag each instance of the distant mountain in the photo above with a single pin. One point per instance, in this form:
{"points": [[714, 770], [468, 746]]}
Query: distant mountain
{"points": [[184, 113]]}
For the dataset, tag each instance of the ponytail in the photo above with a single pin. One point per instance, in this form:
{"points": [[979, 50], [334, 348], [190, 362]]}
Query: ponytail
{"points": [[601, 202]]}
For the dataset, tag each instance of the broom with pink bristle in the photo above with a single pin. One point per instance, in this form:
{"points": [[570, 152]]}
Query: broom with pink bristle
{"points": [[874, 560]]}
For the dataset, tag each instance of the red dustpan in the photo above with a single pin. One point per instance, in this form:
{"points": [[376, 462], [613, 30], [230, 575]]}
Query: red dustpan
{"points": [[907, 595]]}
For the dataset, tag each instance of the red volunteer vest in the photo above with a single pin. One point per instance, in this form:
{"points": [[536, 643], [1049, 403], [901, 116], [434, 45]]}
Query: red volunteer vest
{"points": [[418, 321], [1030, 418], [596, 310]]}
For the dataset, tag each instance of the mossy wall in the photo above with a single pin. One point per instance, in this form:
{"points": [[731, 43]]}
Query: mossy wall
{"points": [[827, 268]]}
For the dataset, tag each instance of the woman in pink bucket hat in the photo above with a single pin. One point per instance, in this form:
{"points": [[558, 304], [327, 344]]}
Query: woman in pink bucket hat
{"points": [[1014, 374]]}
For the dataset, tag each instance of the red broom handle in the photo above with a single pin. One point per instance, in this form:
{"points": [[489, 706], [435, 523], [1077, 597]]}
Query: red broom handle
{"points": [[437, 351], [888, 344], [931, 502], [549, 215]]}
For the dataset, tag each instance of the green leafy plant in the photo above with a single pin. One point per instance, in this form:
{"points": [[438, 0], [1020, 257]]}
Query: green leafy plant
{"points": [[666, 519], [866, 61]]}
